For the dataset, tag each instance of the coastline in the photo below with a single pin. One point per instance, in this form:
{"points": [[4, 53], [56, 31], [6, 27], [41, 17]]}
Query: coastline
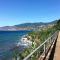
{"points": [[24, 41], [8, 39]]}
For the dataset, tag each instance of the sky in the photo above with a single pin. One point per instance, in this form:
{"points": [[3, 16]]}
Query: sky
{"points": [[14, 12]]}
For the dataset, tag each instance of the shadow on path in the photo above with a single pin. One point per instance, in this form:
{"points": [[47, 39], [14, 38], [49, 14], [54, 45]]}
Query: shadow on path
{"points": [[52, 52]]}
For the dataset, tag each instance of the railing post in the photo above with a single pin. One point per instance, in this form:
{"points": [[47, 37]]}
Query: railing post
{"points": [[44, 49], [18, 58], [50, 41]]}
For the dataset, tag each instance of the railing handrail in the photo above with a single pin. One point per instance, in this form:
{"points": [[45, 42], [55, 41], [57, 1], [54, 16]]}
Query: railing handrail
{"points": [[39, 46]]}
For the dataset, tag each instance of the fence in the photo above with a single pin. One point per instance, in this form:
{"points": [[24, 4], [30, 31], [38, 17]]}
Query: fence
{"points": [[41, 50]]}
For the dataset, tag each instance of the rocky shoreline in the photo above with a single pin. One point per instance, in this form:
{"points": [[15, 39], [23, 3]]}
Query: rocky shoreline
{"points": [[25, 41]]}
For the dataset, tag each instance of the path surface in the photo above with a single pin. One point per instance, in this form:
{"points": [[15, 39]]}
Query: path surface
{"points": [[57, 49]]}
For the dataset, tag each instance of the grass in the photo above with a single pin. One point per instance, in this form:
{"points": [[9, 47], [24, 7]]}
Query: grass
{"points": [[38, 37]]}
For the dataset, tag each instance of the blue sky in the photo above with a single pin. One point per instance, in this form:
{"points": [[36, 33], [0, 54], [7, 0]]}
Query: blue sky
{"points": [[14, 12]]}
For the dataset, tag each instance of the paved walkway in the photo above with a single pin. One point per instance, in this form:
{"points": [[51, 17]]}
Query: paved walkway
{"points": [[57, 49]]}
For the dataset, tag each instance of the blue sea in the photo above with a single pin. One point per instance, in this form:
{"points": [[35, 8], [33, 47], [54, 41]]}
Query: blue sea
{"points": [[8, 42]]}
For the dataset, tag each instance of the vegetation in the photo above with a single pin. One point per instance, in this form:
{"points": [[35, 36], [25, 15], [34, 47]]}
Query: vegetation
{"points": [[57, 26], [39, 37]]}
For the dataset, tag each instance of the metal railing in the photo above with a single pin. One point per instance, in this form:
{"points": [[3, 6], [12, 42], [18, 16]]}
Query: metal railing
{"points": [[43, 48]]}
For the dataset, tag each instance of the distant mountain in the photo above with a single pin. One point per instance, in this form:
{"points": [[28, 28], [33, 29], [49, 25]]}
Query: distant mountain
{"points": [[35, 24], [26, 26]]}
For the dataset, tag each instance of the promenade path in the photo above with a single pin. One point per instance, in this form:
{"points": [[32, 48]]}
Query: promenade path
{"points": [[57, 49]]}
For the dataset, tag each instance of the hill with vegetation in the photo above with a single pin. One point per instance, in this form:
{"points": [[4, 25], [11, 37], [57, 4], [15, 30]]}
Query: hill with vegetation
{"points": [[27, 26], [38, 37], [35, 24]]}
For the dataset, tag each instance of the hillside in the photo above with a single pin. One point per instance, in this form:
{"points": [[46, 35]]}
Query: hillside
{"points": [[35, 24], [26, 26]]}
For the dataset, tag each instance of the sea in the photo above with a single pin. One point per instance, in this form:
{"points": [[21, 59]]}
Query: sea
{"points": [[8, 43]]}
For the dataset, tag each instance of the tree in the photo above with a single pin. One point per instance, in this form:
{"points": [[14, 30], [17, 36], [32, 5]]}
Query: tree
{"points": [[58, 25]]}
